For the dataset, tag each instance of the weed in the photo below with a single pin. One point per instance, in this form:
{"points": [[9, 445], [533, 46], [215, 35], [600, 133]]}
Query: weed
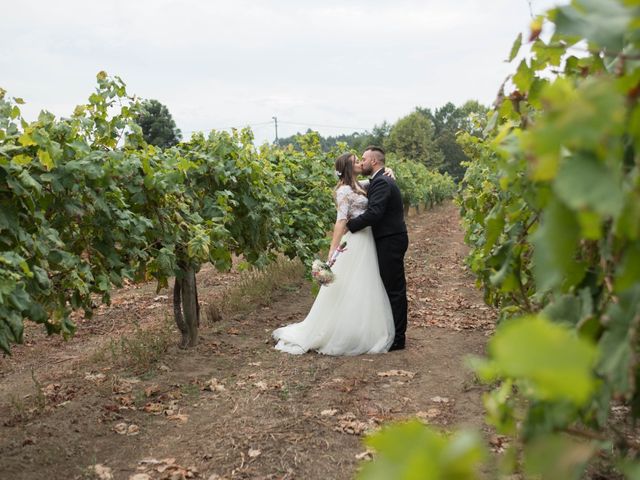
{"points": [[284, 393], [139, 351], [39, 397], [18, 407], [22, 408], [139, 398], [258, 287], [190, 389]]}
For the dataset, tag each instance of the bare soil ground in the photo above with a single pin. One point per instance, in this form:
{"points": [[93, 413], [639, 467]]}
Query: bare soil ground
{"points": [[233, 407]]}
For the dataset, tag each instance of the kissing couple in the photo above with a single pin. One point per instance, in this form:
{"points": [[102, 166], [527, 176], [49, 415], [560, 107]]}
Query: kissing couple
{"points": [[365, 309]]}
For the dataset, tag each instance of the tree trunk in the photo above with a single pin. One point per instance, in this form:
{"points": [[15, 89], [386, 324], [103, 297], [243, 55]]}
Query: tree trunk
{"points": [[177, 312], [190, 307], [186, 308]]}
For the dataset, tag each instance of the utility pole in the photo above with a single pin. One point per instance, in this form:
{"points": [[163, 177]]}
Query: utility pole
{"points": [[275, 119]]}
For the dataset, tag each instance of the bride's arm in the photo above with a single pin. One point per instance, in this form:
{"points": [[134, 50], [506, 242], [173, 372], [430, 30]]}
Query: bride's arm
{"points": [[339, 229]]}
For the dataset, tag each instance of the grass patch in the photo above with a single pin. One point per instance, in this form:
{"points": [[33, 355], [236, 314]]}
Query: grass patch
{"points": [[25, 407], [190, 390], [139, 351], [257, 287]]}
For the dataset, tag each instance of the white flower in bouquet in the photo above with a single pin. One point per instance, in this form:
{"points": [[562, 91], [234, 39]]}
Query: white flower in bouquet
{"points": [[322, 273]]}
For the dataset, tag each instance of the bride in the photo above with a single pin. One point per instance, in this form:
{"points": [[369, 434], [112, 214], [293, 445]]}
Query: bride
{"points": [[352, 315]]}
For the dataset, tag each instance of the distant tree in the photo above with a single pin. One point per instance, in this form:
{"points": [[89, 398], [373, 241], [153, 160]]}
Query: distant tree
{"points": [[453, 155], [357, 141], [448, 122], [412, 137], [158, 127], [474, 118], [379, 134]]}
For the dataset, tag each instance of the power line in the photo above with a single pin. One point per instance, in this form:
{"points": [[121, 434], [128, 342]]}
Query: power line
{"points": [[275, 121], [324, 126], [230, 128]]}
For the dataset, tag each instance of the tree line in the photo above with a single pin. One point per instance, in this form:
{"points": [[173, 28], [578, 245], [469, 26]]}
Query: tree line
{"points": [[426, 136]]}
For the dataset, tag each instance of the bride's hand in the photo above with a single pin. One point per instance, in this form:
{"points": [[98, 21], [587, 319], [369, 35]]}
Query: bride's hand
{"points": [[389, 172]]}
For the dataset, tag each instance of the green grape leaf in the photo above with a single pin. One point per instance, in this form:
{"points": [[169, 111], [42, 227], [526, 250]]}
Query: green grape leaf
{"points": [[616, 342], [524, 76], [411, 450], [548, 357], [556, 242], [602, 22], [584, 182], [45, 159], [26, 140], [564, 309], [628, 270], [557, 456], [515, 48]]}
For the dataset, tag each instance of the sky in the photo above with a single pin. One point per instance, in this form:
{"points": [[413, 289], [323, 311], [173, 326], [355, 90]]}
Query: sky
{"points": [[332, 66]]}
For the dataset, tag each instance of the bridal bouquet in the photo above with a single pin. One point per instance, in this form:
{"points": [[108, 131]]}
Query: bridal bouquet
{"points": [[321, 271]]}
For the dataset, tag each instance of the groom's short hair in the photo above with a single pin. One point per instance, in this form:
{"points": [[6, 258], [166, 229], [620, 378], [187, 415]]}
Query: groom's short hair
{"points": [[380, 155]]}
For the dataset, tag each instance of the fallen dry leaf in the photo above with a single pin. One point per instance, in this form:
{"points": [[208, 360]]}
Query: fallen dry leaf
{"points": [[133, 429], [140, 476], [440, 399], [329, 412], [253, 453], [95, 377], [152, 407], [214, 385], [102, 472], [349, 424], [180, 417], [431, 413], [120, 428], [261, 385], [123, 429], [397, 373]]}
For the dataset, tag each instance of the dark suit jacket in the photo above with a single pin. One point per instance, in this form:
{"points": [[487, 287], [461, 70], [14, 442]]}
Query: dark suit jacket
{"points": [[384, 214]]}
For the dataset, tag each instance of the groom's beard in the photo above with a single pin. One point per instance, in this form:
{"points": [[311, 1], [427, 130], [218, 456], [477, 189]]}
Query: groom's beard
{"points": [[367, 171]]}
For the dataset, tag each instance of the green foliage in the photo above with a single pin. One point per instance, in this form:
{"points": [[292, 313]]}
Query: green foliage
{"points": [[450, 121], [419, 185], [412, 451], [85, 203], [550, 204], [550, 207], [411, 138], [547, 359], [356, 141], [158, 127]]}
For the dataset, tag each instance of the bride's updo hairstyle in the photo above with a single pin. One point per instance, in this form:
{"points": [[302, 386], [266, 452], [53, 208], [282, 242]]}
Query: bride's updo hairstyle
{"points": [[345, 173]]}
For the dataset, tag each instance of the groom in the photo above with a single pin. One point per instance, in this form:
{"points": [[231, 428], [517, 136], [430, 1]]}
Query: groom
{"points": [[385, 216]]}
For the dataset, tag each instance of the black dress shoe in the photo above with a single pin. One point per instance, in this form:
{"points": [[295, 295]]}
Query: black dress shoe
{"points": [[396, 346]]}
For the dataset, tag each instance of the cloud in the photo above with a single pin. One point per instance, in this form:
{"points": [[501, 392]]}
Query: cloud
{"points": [[219, 63]]}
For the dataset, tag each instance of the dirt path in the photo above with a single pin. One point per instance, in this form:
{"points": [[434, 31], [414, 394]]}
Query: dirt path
{"points": [[234, 407]]}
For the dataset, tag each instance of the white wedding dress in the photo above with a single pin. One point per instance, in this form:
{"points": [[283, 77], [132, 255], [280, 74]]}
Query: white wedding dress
{"points": [[352, 315]]}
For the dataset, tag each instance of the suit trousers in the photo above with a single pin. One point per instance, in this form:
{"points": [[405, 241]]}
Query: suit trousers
{"points": [[391, 250]]}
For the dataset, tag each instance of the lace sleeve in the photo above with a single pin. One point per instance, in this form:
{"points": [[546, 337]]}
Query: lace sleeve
{"points": [[342, 202]]}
